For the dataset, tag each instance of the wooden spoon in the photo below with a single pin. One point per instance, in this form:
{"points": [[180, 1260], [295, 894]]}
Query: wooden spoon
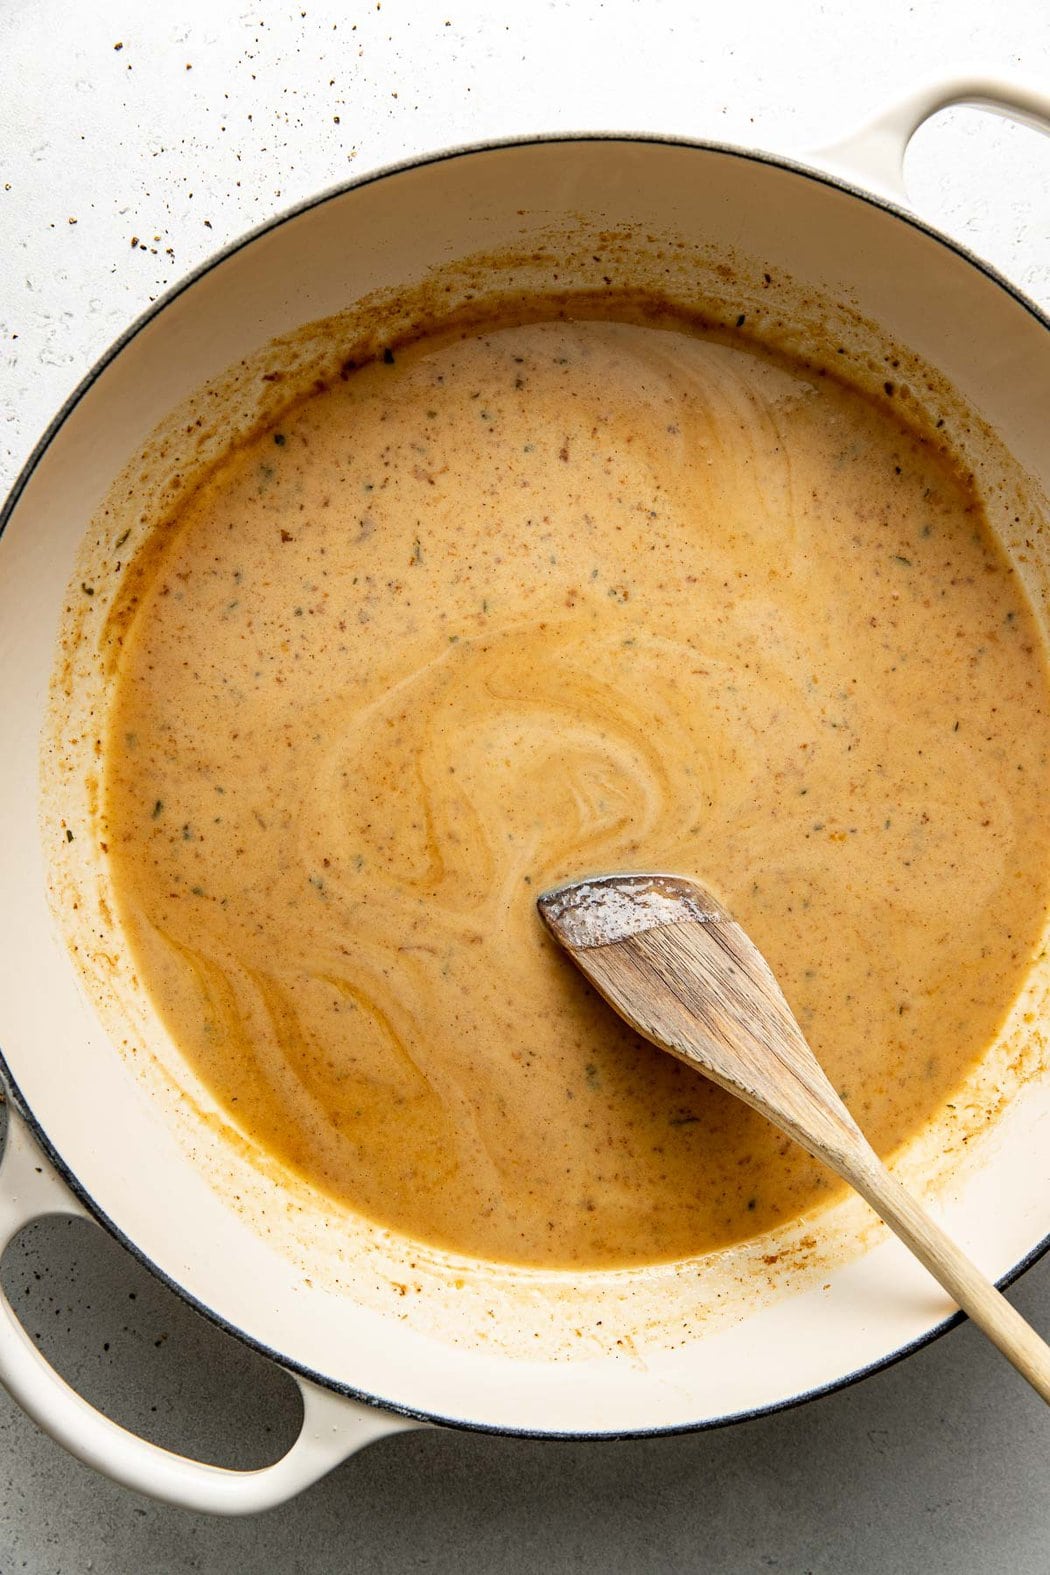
{"points": [[669, 958]]}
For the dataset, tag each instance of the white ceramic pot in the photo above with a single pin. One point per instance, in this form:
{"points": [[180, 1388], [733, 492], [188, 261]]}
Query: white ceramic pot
{"points": [[380, 1333]]}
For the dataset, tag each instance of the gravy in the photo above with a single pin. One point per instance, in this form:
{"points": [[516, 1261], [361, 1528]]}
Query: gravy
{"points": [[526, 602]]}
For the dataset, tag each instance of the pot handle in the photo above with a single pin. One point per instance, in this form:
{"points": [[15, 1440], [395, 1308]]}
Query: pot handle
{"points": [[333, 1426], [874, 155]]}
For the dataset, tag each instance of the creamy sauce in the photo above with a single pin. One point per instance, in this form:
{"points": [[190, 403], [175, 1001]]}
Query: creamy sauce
{"points": [[535, 601]]}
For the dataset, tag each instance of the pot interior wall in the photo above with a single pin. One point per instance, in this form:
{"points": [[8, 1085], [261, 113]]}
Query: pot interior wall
{"points": [[811, 267]]}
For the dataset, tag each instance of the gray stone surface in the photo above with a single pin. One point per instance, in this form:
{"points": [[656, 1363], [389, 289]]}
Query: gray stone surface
{"points": [[210, 117], [937, 1465]]}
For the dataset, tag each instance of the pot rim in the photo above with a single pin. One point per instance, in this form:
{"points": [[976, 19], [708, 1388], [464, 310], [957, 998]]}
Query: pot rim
{"points": [[73, 399]]}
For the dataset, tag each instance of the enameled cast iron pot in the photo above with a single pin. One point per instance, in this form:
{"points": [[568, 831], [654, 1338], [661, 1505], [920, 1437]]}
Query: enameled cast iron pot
{"points": [[379, 1334]]}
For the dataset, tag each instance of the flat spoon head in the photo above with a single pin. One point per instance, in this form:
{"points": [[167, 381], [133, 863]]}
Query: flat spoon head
{"points": [[674, 964]]}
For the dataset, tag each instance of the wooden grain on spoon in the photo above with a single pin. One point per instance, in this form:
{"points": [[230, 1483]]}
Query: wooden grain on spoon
{"points": [[679, 968]]}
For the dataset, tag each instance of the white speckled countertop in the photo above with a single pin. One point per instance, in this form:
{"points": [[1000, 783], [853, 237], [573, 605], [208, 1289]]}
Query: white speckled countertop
{"points": [[135, 140]]}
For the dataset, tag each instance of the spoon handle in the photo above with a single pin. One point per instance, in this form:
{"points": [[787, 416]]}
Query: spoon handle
{"points": [[950, 1266]]}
